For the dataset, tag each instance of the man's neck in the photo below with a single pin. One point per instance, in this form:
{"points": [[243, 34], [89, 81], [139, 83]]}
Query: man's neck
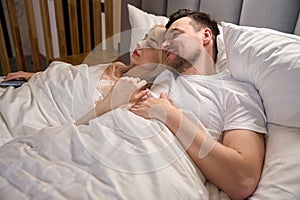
{"points": [[201, 67]]}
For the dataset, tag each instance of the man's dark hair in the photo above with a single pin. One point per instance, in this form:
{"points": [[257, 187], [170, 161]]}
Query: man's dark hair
{"points": [[200, 20]]}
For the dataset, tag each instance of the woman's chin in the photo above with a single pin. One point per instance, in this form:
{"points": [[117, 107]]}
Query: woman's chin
{"points": [[134, 60]]}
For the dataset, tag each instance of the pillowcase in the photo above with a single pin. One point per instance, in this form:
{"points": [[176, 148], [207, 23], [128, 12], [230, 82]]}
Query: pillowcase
{"points": [[281, 176], [141, 22], [270, 60]]}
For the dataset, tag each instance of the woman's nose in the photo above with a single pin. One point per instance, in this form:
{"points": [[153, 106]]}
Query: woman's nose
{"points": [[165, 45], [139, 45]]}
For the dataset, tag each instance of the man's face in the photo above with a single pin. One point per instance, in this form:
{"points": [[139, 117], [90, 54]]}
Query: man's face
{"points": [[183, 44]]}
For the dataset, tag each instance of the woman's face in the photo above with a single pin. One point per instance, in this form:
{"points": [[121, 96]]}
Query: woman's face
{"points": [[147, 50]]}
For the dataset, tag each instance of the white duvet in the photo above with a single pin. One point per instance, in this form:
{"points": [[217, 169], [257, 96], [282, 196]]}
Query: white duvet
{"points": [[58, 96], [117, 156]]}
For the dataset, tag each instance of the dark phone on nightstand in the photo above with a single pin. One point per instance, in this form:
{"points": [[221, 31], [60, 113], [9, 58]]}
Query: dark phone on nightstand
{"points": [[15, 83]]}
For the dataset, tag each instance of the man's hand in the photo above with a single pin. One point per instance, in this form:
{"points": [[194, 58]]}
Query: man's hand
{"points": [[153, 108]]}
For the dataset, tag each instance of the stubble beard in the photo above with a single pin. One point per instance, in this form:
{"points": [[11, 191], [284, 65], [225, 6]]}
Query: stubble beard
{"points": [[181, 65]]}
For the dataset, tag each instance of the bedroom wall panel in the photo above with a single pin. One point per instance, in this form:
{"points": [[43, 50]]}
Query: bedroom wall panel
{"points": [[125, 25], [125, 28], [297, 28], [226, 10], [276, 14], [173, 5], [157, 7]]}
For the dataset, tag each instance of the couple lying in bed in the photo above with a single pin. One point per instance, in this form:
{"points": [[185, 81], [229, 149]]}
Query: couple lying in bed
{"points": [[218, 121]]}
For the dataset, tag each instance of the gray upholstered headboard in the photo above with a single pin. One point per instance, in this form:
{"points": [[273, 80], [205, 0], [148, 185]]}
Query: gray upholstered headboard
{"points": [[282, 15]]}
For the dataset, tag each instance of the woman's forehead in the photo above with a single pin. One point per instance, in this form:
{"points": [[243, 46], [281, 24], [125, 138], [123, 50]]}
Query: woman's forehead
{"points": [[156, 34]]}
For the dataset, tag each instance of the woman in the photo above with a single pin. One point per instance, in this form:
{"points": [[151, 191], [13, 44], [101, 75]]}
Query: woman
{"points": [[147, 56]]}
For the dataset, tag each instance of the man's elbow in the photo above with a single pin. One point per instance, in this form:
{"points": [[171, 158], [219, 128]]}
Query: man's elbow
{"points": [[244, 188]]}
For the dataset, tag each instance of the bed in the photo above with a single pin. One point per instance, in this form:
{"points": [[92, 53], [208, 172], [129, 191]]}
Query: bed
{"points": [[45, 156]]}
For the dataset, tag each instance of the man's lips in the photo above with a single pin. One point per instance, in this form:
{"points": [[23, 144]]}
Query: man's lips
{"points": [[169, 54]]}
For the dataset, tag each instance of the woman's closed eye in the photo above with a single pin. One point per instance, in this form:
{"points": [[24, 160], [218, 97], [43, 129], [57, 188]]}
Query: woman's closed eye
{"points": [[150, 45]]}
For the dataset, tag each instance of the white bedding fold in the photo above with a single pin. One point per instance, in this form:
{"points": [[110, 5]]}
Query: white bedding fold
{"points": [[59, 95], [62, 163]]}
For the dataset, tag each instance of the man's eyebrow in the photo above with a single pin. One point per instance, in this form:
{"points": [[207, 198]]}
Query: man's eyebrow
{"points": [[176, 30], [172, 31]]}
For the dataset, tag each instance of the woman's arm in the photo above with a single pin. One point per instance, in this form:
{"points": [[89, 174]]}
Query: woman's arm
{"points": [[19, 74], [125, 91], [234, 166]]}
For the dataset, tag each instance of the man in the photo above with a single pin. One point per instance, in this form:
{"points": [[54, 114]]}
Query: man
{"points": [[230, 111]]}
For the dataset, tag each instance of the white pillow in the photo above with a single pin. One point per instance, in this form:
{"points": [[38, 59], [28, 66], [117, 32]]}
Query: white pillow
{"points": [[141, 22], [221, 63], [271, 61], [281, 175]]}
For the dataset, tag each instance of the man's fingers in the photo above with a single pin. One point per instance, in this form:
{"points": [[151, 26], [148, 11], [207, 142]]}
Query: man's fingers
{"points": [[141, 94], [141, 84]]}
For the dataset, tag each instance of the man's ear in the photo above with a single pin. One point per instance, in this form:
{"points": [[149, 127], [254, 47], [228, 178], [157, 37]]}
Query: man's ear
{"points": [[207, 36]]}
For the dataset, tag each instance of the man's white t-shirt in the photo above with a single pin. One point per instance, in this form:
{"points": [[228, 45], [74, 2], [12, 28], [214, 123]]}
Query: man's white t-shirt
{"points": [[218, 101]]}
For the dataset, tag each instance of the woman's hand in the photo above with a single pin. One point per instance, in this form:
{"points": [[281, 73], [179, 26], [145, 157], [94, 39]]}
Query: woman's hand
{"points": [[18, 75], [127, 91], [154, 108]]}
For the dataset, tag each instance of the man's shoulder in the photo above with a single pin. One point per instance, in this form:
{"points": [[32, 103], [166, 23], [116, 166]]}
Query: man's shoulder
{"points": [[237, 86]]}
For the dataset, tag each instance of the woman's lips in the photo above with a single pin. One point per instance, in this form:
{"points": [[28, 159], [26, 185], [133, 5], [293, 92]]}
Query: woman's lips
{"points": [[168, 54], [135, 52]]}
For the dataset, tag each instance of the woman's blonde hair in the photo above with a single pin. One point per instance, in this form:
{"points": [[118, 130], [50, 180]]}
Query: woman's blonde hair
{"points": [[116, 69]]}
